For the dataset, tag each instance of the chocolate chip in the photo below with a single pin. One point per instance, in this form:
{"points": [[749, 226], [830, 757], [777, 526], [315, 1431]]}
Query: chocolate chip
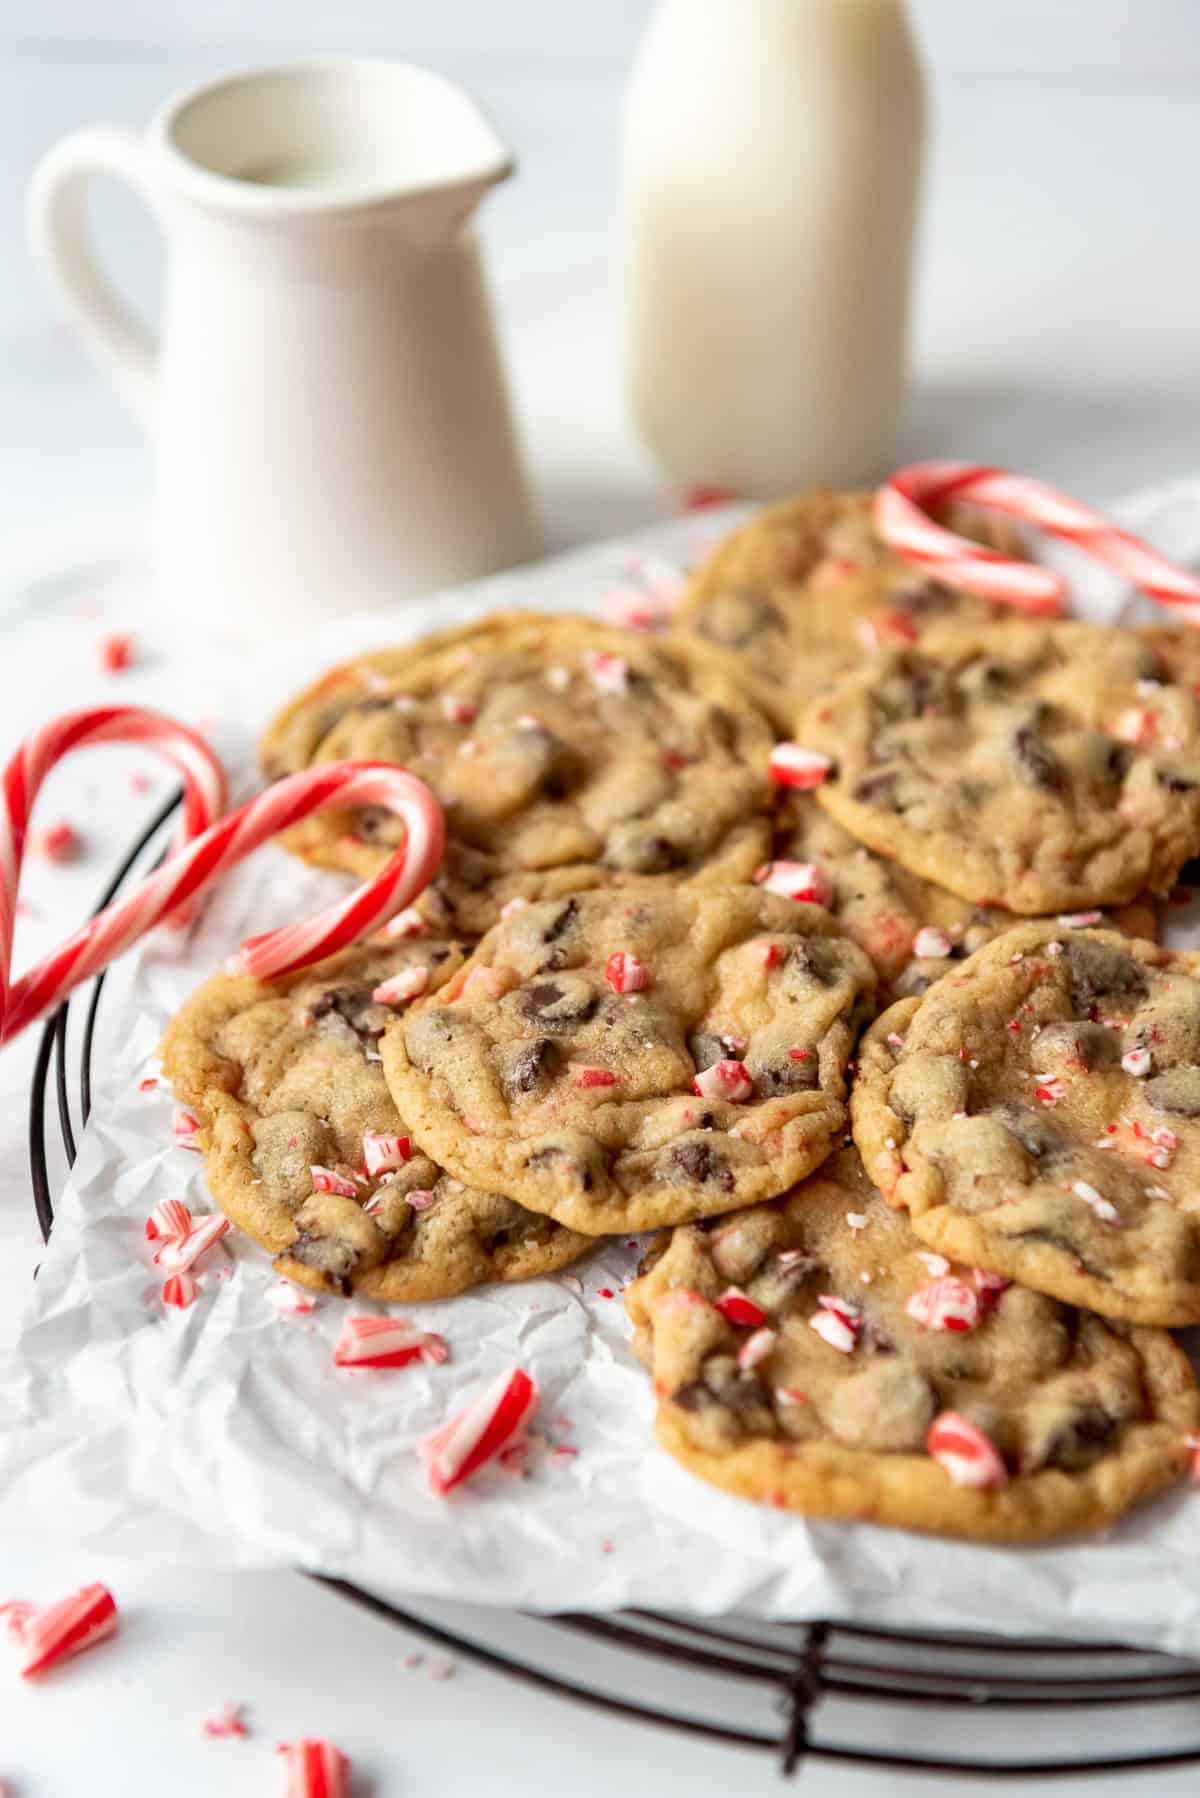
{"points": [[1071, 1441], [326, 1255], [1036, 1137], [702, 1165], [706, 1050], [633, 850], [1037, 760], [530, 1065], [695, 1396], [561, 922], [1097, 969], [353, 1006], [875, 789], [786, 1076], [375, 823], [560, 1004], [1171, 782], [551, 1156], [1176, 1091]]}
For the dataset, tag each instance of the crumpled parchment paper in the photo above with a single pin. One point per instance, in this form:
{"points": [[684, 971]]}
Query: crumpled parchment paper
{"points": [[225, 1432]]}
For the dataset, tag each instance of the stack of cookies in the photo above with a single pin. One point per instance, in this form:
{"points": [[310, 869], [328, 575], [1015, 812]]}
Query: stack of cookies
{"points": [[892, 1063]]}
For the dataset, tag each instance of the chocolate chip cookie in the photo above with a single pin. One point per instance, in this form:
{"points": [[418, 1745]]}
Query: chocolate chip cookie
{"points": [[1043, 767], [568, 755], [623, 1060], [1038, 1113], [306, 1152], [913, 931], [805, 590], [807, 1353]]}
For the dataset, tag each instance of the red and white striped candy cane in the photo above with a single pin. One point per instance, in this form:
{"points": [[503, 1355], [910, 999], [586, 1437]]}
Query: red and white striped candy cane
{"points": [[335, 787], [203, 789], [903, 504]]}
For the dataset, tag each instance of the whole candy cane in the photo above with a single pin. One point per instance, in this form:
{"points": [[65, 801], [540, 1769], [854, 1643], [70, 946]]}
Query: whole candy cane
{"points": [[203, 789], [335, 787], [903, 503]]}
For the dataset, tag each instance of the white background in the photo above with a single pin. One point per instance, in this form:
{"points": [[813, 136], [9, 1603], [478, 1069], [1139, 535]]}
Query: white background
{"points": [[1058, 326]]}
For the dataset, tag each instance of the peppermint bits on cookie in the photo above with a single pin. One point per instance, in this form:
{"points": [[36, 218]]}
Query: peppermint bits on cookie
{"points": [[792, 765], [626, 973]]}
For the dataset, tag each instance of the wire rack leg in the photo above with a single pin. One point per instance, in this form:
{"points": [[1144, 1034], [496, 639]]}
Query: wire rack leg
{"points": [[801, 1693]]}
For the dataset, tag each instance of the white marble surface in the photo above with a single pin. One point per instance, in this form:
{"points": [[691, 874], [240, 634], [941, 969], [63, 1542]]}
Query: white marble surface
{"points": [[1059, 294]]}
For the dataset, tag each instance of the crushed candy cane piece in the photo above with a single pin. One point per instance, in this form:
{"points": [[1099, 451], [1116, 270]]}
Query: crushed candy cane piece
{"points": [[458, 711], [315, 1769], [58, 843], [170, 1217], [736, 1308], [1136, 1062], [585, 1077], [489, 983], [1080, 920], [185, 1129], [382, 1154], [456, 1451], [632, 610], [67, 1628], [608, 673], [1108, 1213], [727, 1080], [835, 1328], [180, 1291], [289, 1300], [512, 906], [756, 1348], [1051, 1089], [626, 973], [408, 922], [420, 1200], [967, 1455], [945, 1304], [327, 1179], [792, 765], [990, 1286], [856, 1221], [116, 653], [385, 1342], [803, 881], [178, 1253], [931, 941], [935, 1265], [408, 984], [228, 1722]]}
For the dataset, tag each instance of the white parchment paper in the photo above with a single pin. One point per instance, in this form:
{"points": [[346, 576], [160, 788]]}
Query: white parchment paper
{"points": [[226, 1433]]}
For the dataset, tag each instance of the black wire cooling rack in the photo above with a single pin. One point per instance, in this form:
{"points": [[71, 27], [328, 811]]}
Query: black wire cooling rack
{"points": [[845, 1693]]}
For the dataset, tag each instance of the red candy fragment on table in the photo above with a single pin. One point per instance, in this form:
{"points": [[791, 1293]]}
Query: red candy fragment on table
{"points": [[170, 1218], [737, 1308], [315, 1769], [965, 1452], [792, 765], [465, 1444], [626, 973], [726, 1080], [385, 1342], [805, 881], [180, 1291], [117, 653], [67, 1628], [228, 1723], [178, 1253], [945, 1304], [289, 1300], [701, 495], [59, 843]]}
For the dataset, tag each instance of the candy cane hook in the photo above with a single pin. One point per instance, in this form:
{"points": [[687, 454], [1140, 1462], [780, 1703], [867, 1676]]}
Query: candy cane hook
{"points": [[334, 787], [903, 504]]}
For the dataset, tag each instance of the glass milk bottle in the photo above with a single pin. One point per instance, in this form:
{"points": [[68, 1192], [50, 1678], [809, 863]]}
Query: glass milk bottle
{"points": [[772, 162]]}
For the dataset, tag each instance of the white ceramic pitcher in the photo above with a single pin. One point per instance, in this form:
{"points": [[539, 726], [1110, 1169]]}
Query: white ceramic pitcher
{"points": [[329, 412]]}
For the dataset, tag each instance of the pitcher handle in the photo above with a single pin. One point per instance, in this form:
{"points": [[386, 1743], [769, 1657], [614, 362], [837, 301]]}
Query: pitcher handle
{"points": [[119, 343]]}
